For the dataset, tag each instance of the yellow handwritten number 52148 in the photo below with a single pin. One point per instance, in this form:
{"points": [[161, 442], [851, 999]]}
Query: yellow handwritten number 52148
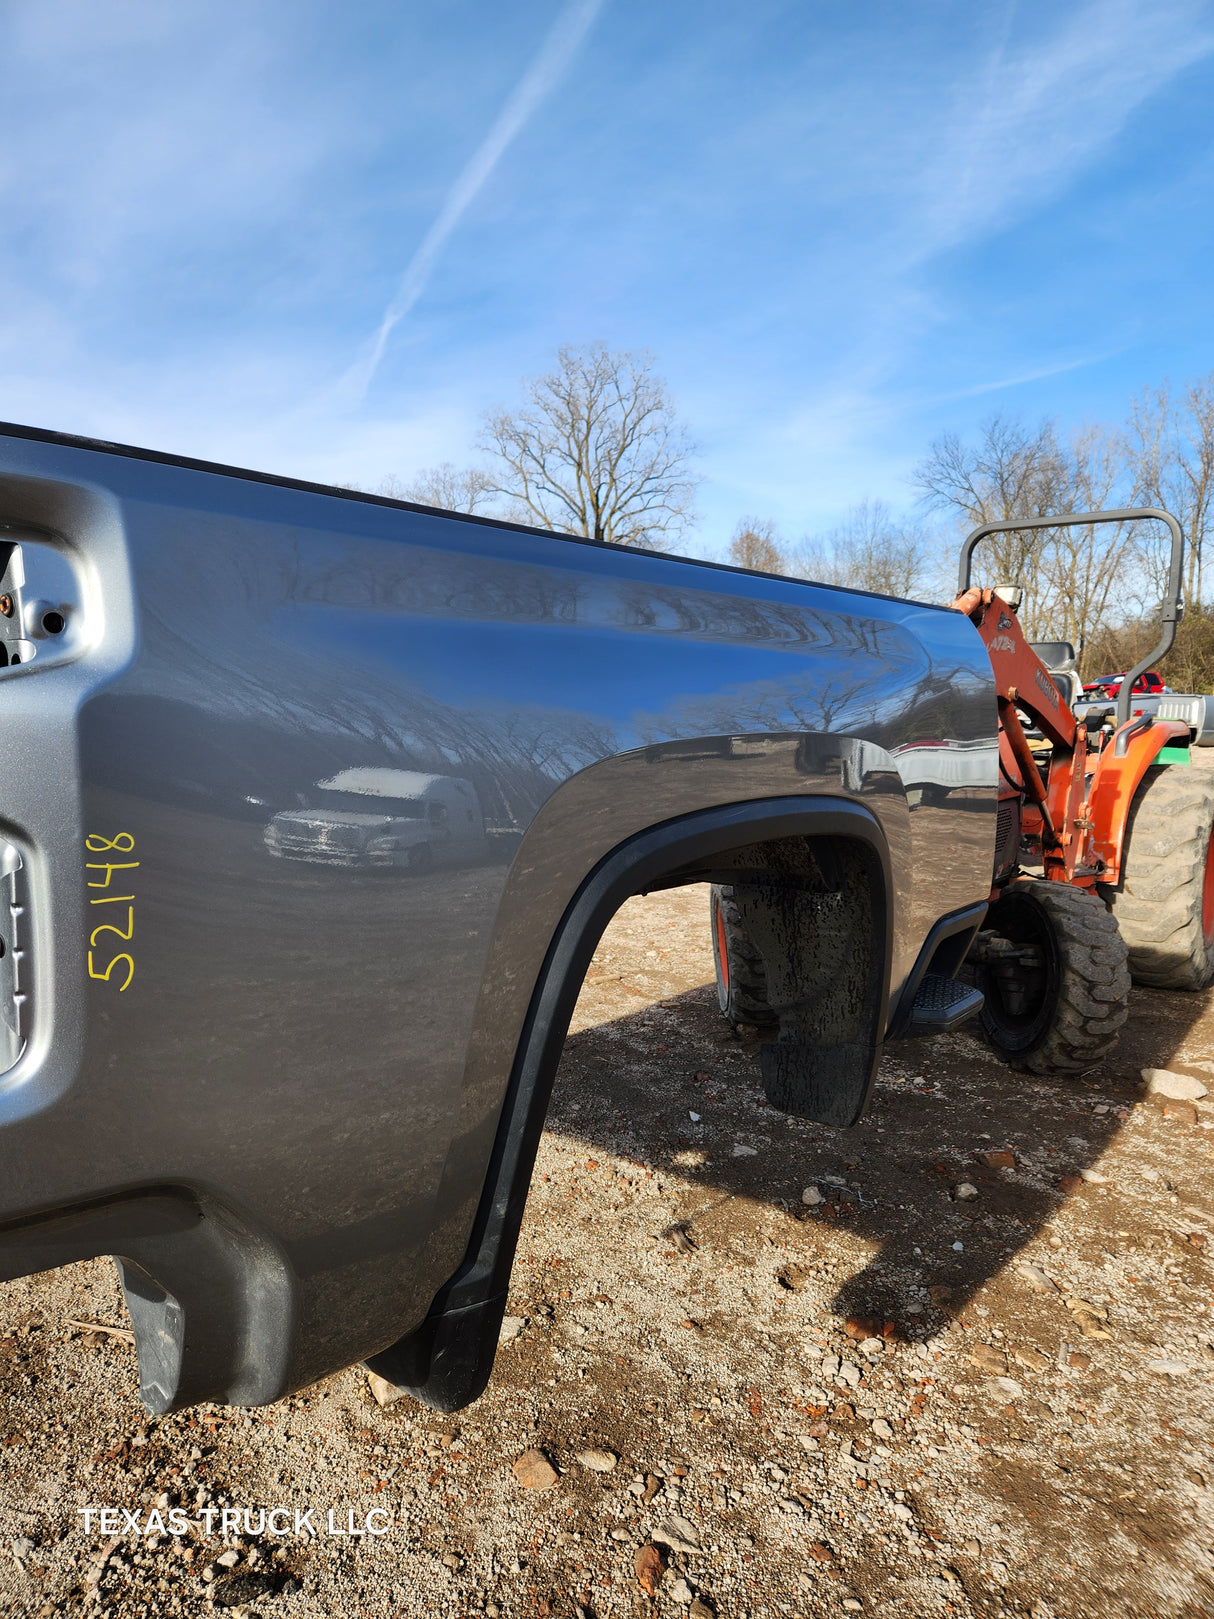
{"points": [[121, 843]]}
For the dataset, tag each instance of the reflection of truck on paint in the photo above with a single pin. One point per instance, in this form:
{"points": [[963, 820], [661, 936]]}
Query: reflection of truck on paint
{"points": [[383, 817]]}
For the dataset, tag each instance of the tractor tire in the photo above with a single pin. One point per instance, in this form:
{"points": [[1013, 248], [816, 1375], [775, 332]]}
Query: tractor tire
{"points": [[1062, 1014], [1164, 904], [741, 975]]}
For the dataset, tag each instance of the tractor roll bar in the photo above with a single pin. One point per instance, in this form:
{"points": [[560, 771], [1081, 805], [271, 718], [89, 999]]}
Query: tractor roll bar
{"points": [[1171, 609]]}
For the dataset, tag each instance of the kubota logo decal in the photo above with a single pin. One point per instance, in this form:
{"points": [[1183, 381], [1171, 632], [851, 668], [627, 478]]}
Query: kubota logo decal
{"points": [[1047, 686], [1005, 622]]}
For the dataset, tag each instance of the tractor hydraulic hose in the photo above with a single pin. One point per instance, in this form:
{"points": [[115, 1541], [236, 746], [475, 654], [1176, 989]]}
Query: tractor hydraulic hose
{"points": [[1023, 754]]}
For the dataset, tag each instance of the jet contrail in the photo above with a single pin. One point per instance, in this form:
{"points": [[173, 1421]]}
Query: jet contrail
{"points": [[564, 37]]}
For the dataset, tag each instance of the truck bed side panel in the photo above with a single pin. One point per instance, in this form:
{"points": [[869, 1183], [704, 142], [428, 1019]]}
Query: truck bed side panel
{"points": [[308, 1040]]}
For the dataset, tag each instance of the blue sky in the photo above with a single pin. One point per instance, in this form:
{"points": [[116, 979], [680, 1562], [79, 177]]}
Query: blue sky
{"points": [[321, 239]]}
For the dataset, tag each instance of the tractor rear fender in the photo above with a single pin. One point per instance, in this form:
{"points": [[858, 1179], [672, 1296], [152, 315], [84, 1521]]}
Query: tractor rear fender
{"points": [[1118, 775]]}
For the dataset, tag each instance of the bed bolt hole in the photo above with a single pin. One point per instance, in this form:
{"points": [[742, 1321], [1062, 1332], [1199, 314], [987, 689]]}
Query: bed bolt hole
{"points": [[53, 622]]}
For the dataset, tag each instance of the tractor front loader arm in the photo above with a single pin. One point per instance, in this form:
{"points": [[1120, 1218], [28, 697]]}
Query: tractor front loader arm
{"points": [[1022, 682]]}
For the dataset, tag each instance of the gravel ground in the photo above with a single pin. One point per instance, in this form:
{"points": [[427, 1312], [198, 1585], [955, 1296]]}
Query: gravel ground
{"points": [[864, 1402]]}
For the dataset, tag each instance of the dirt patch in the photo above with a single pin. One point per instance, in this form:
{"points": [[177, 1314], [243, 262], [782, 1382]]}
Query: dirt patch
{"points": [[864, 1402]]}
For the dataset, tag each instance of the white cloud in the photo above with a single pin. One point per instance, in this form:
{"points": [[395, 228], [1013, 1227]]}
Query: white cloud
{"points": [[136, 131], [555, 55], [1043, 111]]}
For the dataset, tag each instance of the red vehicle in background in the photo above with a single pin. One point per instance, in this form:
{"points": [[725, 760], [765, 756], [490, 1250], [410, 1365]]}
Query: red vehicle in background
{"points": [[1110, 685]]}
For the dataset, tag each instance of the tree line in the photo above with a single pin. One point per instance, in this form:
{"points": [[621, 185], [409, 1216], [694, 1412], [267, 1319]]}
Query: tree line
{"points": [[596, 448]]}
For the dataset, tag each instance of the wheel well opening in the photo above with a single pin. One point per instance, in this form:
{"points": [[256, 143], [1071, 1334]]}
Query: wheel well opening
{"points": [[810, 885]]}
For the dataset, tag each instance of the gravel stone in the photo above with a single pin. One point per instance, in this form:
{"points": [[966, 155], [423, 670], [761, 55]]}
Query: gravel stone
{"points": [[1003, 1390], [678, 1534], [996, 1158], [534, 1471], [598, 1461], [241, 1589], [1180, 1087], [1032, 1359], [1036, 1277], [383, 1393]]}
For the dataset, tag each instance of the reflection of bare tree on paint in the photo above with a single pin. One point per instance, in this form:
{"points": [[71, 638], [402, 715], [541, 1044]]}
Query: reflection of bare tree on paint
{"points": [[312, 674], [482, 587], [768, 707], [860, 704]]}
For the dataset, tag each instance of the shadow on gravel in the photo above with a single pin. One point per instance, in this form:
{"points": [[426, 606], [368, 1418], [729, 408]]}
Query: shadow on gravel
{"points": [[631, 1085]]}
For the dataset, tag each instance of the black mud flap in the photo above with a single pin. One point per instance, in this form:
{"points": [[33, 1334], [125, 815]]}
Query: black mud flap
{"points": [[447, 1362], [822, 947]]}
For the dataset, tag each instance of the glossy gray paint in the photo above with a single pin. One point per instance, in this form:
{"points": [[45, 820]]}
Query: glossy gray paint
{"points": [[285, 1118]]}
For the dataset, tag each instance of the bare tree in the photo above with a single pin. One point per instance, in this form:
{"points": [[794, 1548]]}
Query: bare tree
{"points": [[756, 545], [1170, 444], [596, 449], [1010, 472], [1089, 574], [868, 551], [450, 488], [1073, 578]]}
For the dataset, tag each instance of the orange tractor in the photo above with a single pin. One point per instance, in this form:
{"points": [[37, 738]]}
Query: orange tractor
{"points": [[1117, 836], [1104, 860]]}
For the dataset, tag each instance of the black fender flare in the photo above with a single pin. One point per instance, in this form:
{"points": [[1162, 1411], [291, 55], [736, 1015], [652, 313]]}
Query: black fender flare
{"points": [[446, 1362]]}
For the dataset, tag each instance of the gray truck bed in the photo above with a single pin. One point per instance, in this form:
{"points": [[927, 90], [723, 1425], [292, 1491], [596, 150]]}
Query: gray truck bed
{"points": [[315, 805]]}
